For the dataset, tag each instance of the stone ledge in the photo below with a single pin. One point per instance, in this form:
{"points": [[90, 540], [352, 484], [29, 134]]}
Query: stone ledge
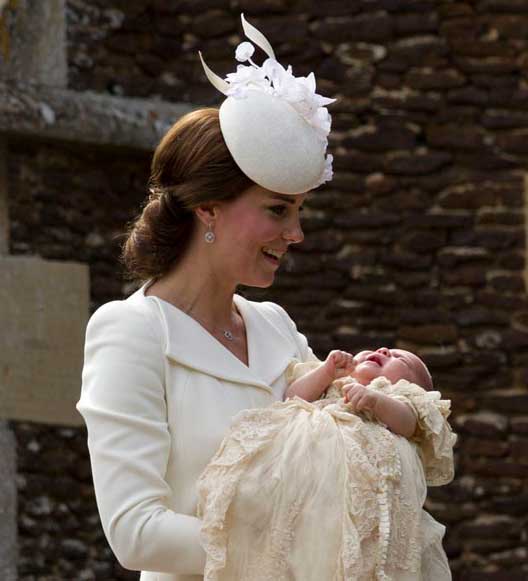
{"points": [[85, 118]]}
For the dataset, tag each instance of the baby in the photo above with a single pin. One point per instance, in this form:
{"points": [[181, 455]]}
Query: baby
{"points": [[346, 474], [394, 364]]}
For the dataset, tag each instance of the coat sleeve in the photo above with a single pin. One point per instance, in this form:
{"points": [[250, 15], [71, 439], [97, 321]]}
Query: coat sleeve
{"points": [[123, 405]]}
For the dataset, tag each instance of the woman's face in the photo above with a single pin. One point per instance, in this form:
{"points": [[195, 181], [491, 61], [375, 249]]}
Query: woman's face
{"points": [[254, 232]]}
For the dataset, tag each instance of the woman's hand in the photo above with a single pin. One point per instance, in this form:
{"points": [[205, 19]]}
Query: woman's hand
{"points": [[339, 364]]}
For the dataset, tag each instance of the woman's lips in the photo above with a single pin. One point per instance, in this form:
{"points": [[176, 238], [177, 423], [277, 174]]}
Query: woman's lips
{"points": [[272, 259]]}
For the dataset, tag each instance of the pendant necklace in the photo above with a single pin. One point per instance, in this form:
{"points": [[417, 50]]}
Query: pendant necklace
{"points": [[225, 332]]}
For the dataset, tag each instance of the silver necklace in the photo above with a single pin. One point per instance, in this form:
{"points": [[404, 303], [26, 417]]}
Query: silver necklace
{"points": [[225, 332]]}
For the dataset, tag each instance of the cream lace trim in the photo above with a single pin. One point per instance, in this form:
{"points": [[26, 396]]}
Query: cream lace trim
{"points": [[381, 523]]}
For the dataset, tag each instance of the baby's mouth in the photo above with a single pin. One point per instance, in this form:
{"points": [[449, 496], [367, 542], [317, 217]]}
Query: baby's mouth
{"points": [[374, 358]]}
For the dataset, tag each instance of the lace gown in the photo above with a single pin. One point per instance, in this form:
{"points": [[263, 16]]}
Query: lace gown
{"points": [[310, 491]]}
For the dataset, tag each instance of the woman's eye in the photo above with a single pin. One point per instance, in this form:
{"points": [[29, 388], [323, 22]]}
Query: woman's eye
{"points": [[278, 210]]}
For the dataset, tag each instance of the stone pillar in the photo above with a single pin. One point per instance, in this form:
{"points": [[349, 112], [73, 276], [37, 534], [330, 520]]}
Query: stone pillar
{"points": [[4, 216], [526, 230], [33, 43], [8, 497]]}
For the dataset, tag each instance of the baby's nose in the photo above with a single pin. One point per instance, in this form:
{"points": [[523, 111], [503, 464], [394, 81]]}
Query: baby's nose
{"points": [[384, 351]]}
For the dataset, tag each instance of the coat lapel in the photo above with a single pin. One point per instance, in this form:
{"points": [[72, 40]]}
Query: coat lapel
{"points": [[270, 347], [188, 343]]}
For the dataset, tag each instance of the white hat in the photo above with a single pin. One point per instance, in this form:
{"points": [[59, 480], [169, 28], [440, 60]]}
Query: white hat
{"points": [[274, 124]]}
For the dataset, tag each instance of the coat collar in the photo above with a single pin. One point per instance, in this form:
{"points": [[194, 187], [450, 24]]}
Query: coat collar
{"points": [[270, 349]]}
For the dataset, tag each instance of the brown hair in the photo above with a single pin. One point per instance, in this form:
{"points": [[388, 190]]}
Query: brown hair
{"points": [[191, 166]]}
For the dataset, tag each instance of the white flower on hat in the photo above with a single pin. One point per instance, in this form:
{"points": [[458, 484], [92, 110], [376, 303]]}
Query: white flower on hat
{"points": [[244, 52], [328, 172], [274, 79], [247, 77]]}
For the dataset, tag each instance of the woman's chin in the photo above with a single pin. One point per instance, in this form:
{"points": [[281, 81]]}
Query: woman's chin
{"points": [[261, 282]]}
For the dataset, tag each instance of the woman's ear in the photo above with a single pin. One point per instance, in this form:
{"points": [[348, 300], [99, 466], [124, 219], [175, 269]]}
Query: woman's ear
{"points": [[207, 213]]}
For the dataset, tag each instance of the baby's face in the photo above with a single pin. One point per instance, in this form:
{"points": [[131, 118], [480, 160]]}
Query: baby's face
{"points": [[394, 364]]}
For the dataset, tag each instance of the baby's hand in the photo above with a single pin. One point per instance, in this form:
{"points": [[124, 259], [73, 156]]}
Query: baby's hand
{"points": [[360, 397], [339, 364]]}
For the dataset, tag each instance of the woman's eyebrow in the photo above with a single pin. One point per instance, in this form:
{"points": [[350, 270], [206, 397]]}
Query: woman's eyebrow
{"points": [[283, 197]]}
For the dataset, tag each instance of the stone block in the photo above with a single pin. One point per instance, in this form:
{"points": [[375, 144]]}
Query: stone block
{"points": [[424, 242], [465, 276], [372, 138], [35, 46], [455, 136], [507, 282], [514, 141], [416, 163], [484, 447], [429, 334], [44, 308], [519, 425], [519, 447], [468, 96], [504, 119], [423, 50], [498, 6], [406, 24], [486, 526], [407, 100], [428, 79], [4, 215], [482, 424], [477, 315], [507, 401], [214, 23], [370, 27], [264, 6]]}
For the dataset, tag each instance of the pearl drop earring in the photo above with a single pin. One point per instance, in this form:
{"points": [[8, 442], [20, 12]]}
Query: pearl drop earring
{"points": [[209, 235]]}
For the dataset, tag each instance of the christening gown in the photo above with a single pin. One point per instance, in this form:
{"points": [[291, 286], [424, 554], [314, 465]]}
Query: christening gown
{"points": [[302, 491]]}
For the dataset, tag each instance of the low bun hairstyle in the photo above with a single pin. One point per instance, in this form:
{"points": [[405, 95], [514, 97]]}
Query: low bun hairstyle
{"points": [[191, 166]]}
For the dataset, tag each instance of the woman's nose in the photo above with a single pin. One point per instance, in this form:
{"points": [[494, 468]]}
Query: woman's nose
{"points": [[384, 351], [294, 234]]}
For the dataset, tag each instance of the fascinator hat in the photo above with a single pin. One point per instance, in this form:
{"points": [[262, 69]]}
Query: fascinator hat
{"points": [[274, 124]]}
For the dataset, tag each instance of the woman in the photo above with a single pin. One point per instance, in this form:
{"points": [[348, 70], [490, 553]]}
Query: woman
{"points": [[166, 369]]}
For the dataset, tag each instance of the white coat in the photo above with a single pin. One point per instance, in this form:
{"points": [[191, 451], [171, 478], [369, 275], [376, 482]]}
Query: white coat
{"points": [[158, 394]]}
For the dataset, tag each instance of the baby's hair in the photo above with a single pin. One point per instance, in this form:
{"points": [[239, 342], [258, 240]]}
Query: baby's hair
{"points": [[424, 378]]}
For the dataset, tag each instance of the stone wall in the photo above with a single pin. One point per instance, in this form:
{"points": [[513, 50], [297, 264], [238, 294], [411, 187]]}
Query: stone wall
{"points": [[418, 242]]}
